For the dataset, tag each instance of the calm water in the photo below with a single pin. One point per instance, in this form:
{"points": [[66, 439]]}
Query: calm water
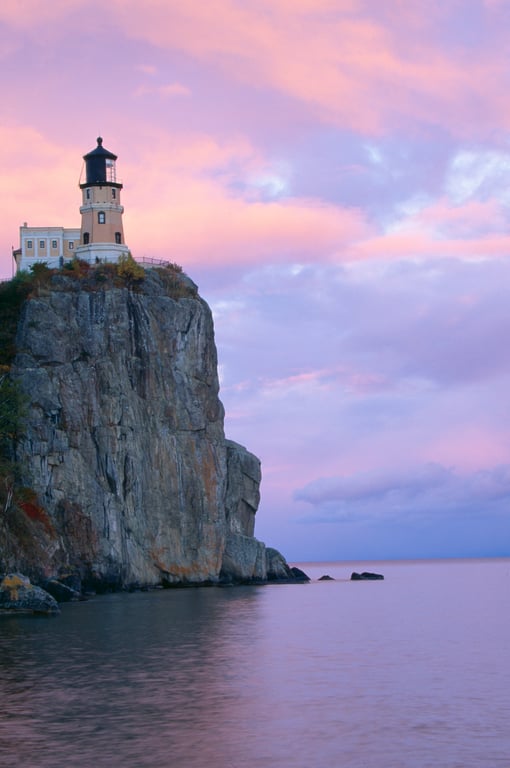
{"points": [[410, 672]]}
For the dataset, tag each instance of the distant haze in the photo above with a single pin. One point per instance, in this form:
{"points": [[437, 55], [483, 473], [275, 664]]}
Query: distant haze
{"points": [[335, 175]]}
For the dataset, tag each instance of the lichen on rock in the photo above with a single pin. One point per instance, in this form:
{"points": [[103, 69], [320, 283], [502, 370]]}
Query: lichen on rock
{"points": [[18, 595]]}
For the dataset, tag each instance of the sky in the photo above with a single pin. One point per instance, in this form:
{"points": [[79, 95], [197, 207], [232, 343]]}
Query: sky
{"points": [[335, 177]]}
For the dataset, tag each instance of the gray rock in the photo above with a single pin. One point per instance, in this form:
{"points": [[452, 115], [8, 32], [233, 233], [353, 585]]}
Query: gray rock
{"points": [[243, 489], [17, 594], [366, 576], [244, 560], [277, 567], [61, 592], [278, 570], [124, 442], [299, 575]]}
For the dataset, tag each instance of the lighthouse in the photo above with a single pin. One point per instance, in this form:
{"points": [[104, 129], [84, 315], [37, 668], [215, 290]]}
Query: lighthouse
{"points": [[101, 233]]}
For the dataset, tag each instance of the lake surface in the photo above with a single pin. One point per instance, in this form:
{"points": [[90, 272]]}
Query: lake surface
{"points": [[409, 672]]}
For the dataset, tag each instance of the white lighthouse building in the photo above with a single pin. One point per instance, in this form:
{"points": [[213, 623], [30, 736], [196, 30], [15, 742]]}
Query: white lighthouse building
{"points": [[101, 235]]}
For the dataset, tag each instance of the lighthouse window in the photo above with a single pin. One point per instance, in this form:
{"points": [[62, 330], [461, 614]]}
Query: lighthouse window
{"points": [[100, 217], [86, 238], [117, 237], [87, 192], [114, 194], [110, 170]]}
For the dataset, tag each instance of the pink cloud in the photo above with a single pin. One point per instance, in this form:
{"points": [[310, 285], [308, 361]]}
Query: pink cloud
{"points": [[474, 229], [148, 69], [195, 217], [35, 12], [165, 91], [443, 218], [417, 242], [363, 66], [471, 446], [40, 184], [339, 378], [399, 246], [203, 225], [350, 64]]}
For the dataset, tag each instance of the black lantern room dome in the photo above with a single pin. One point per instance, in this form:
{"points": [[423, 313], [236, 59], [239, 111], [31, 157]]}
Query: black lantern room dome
{"points": [[100, 166]]}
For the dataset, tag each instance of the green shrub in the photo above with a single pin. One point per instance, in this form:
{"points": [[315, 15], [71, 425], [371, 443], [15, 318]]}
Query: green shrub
{"points": [[76, 268], [41, 272], [172, 278], [12, 295], [128, 269], [12, 407]]}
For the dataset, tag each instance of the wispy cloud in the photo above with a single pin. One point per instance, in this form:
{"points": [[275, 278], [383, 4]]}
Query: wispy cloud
{"points": [[430, 489], [377, 67], [166, 91]]}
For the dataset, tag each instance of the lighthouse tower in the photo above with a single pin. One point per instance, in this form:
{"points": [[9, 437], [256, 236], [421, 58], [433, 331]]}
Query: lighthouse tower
{"points": [[102, 234]]}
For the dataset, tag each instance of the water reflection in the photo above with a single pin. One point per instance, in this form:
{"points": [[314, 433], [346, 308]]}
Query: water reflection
{"points": [[134, 677], [406, 673]]}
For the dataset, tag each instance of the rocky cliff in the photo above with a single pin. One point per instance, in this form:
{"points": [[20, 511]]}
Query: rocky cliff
{"points": [[132, 480]]}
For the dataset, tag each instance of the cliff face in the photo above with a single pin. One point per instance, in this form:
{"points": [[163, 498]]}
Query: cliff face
{"points": [[124, 443]]}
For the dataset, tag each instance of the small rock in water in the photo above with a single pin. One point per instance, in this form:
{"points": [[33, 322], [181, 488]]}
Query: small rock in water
{"points": [[326, 578], [19, 595], [366, 576], [298, 574]]}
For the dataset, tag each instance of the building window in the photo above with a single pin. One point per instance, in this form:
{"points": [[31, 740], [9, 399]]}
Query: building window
{"points": [[100, 217], [71, 246], [87, 194], [53, 243], [30, 244], [86, 238], [118, 237], [42, 244], [114, 194]]}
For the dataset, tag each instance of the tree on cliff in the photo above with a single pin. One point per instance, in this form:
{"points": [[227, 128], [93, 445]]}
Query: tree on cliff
{"points": [[10, 408], [128, 269], [12, 295]]}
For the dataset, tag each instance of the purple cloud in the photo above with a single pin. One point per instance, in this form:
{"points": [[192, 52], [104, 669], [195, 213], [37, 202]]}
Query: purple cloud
{"points": [[429, 489]]}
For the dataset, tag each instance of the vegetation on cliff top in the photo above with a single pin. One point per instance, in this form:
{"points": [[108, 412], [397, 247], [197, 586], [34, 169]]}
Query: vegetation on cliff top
{"points": [[125, 273]]}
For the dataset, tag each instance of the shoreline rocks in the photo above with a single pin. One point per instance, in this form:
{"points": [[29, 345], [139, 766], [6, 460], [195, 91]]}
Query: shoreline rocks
{"points": [[18, 595], [61, 592]]}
